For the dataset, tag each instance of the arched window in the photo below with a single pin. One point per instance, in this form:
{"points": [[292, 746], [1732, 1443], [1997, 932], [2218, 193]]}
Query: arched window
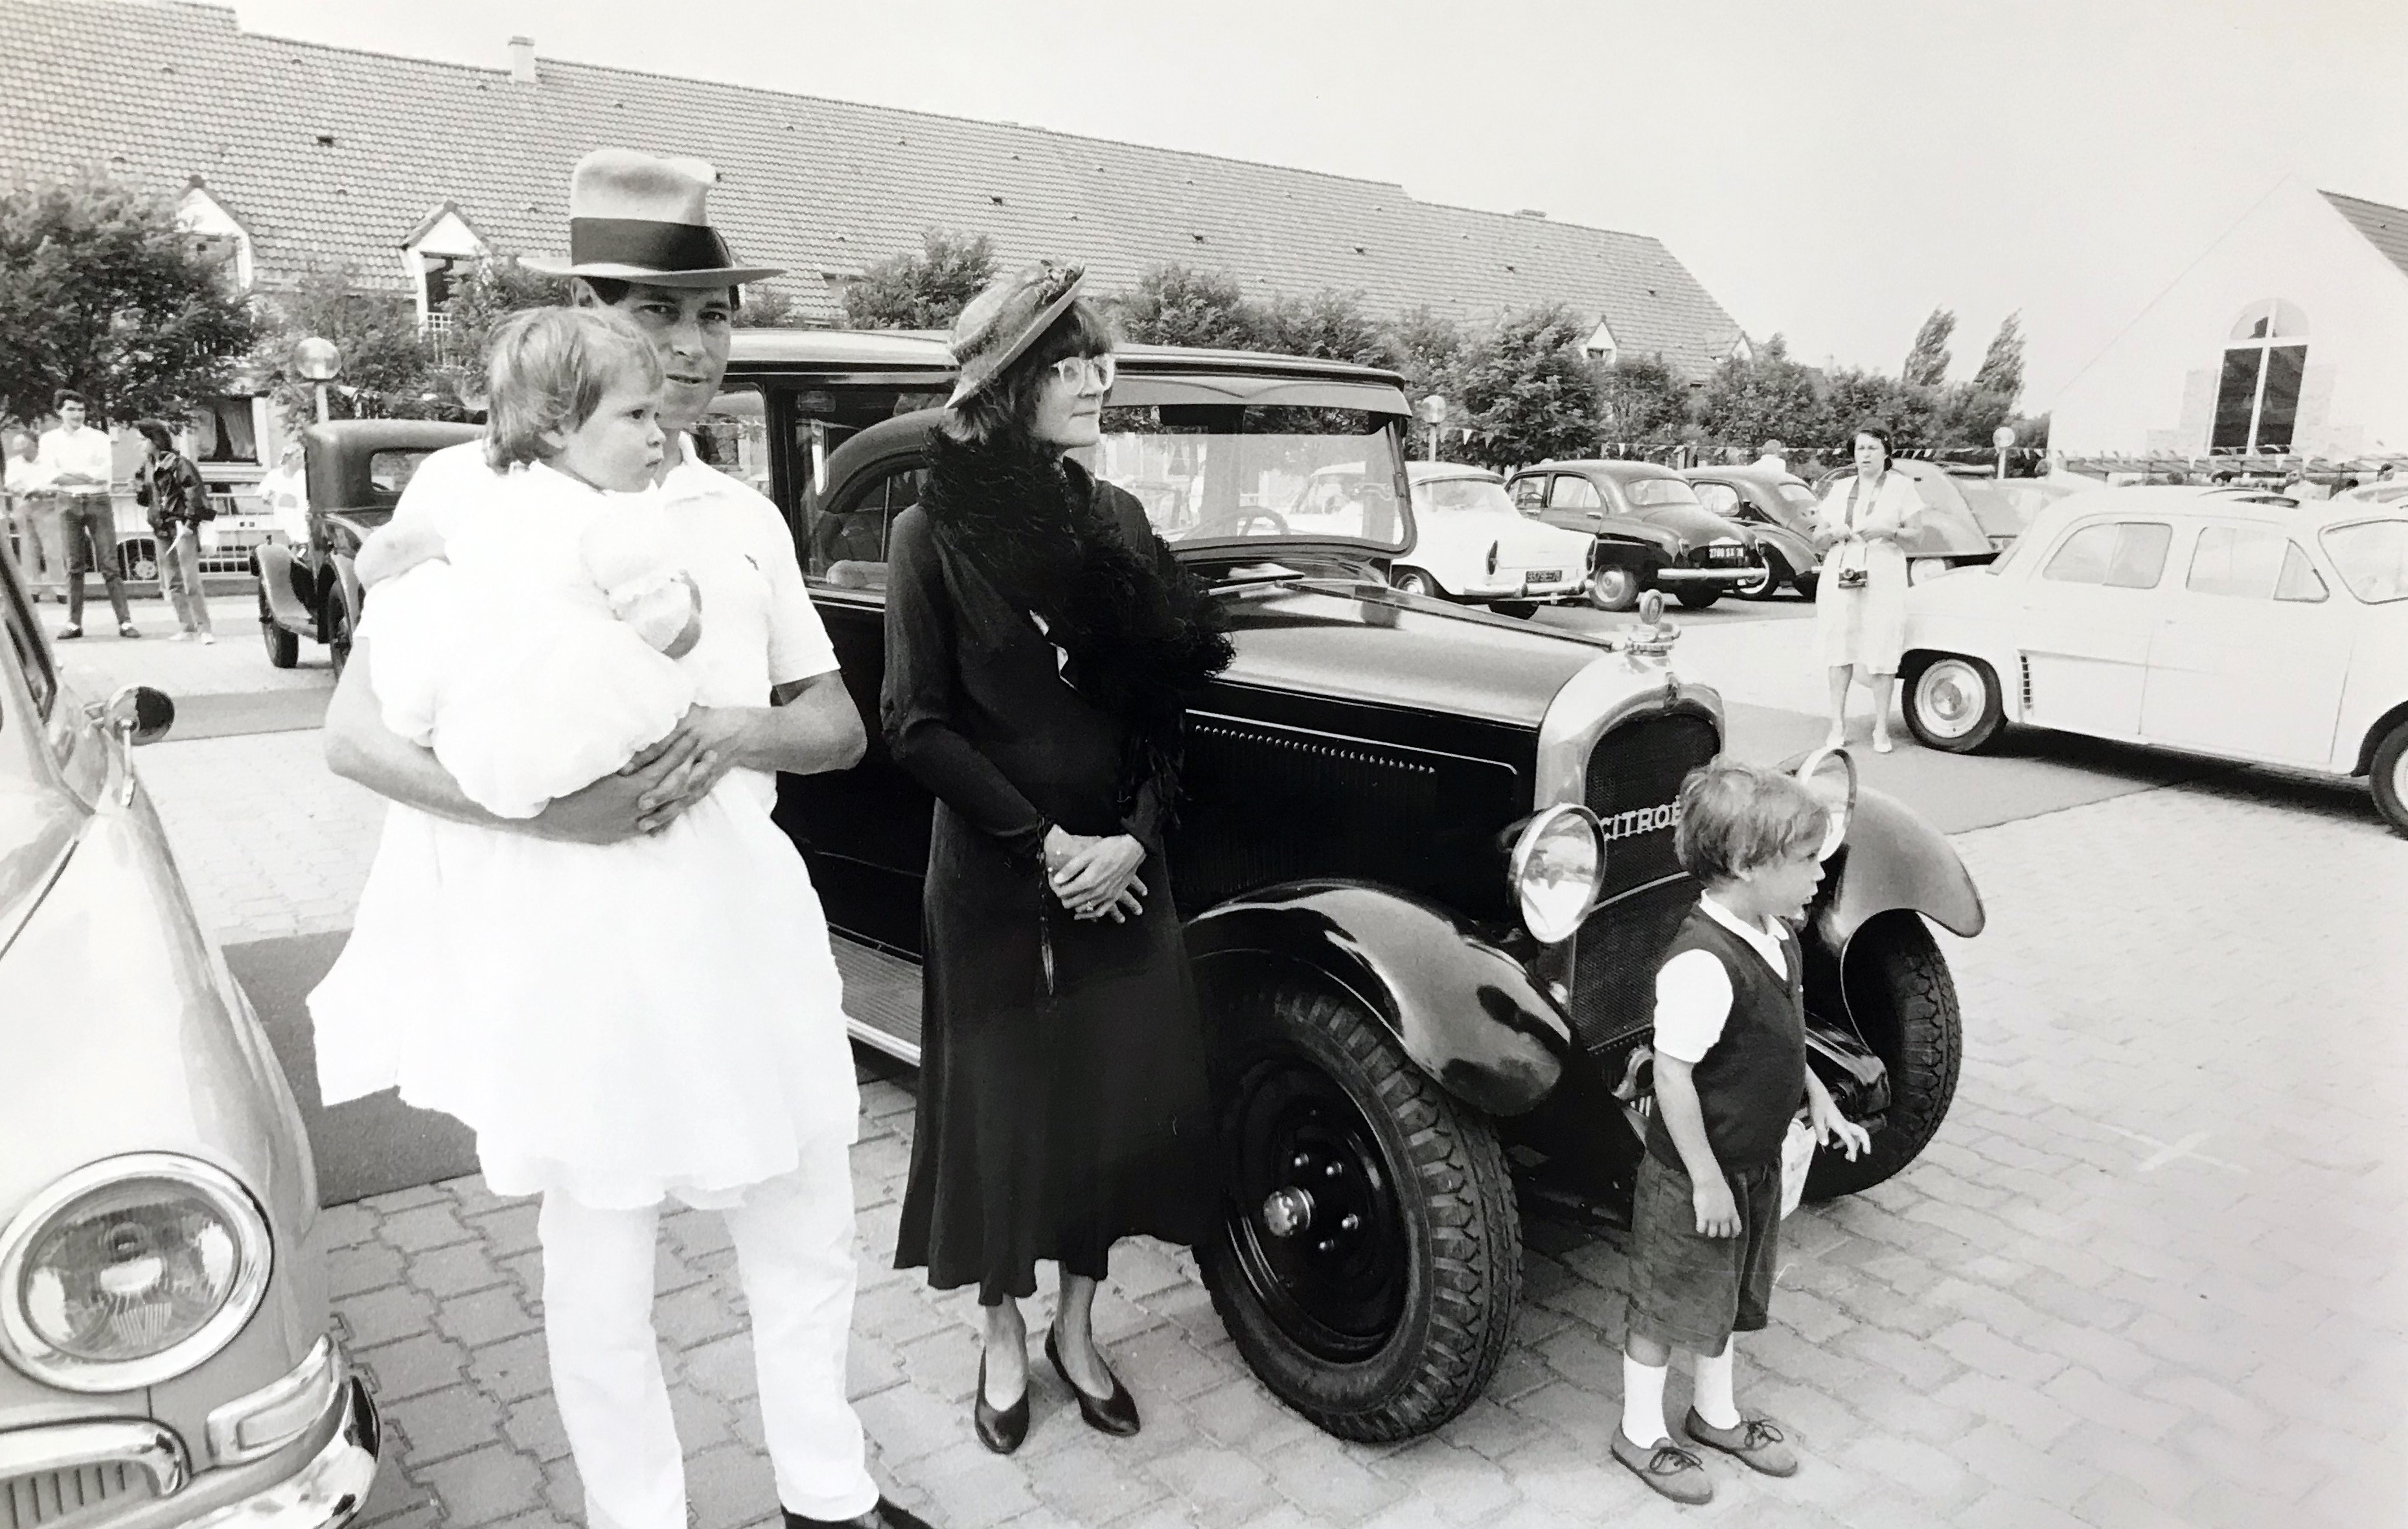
{"points": [[2258, 399]]}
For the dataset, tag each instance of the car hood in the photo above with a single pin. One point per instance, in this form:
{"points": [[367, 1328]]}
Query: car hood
{"points": [[124, 1031], [38, 822], [1694, 526], [1369, 643]]}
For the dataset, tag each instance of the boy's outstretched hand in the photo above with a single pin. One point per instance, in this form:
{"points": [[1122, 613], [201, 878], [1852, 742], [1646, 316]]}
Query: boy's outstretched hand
{"points": [[1833, 1129], [1717, 1211]]}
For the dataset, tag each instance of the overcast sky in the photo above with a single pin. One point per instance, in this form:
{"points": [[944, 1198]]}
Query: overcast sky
{"points": [[1830, 169]]}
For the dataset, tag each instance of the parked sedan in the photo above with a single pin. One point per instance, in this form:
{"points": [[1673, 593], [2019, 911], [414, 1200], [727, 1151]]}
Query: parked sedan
{"points": [[2217, 620], [1651, 532], [170, 1358], [1471, 544], [1776, 509]]}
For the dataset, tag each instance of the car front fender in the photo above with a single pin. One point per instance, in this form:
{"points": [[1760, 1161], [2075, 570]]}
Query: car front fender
{"points": [[1465, 1009], [1893, 860], [278, 584]]}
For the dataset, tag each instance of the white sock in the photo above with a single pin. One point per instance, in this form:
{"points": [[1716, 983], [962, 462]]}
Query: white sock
{"points": [[1642, 1401], [1711, 1396]]}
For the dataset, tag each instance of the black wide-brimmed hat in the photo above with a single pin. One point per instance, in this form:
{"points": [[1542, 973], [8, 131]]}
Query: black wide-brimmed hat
{"points": [[998, 325], [638, 217]]}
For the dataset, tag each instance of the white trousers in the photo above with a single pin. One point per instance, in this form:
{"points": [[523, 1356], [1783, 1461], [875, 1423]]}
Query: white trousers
{"points": [[794, 1242]]}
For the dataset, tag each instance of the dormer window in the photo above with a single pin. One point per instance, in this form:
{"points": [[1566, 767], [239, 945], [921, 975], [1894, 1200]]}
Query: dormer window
{"points": [[217, 239], [1601, 346], [439, 254]]}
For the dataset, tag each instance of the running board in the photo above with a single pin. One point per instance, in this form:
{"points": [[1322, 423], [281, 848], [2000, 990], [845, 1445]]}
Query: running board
{"points": [[881, 999]]}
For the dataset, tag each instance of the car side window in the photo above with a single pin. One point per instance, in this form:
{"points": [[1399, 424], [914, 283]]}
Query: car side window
{"points": [[2118, 555], [1573, 492], [1721, 499], [1530, 493], [25, 639], [2252, 562], [2372, 558], [848, 538]]}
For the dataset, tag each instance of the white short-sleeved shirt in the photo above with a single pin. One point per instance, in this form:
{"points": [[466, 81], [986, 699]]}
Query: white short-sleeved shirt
{"points": [[82, 450], [1693, 992], [27, 476], [759, 628], [287, 498]]}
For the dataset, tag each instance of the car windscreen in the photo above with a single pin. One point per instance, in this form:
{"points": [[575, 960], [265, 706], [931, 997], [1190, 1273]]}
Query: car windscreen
{"points": [[2005, 507], [1648, 492], [2371, 557], [1233, 472], [1441, 495]]}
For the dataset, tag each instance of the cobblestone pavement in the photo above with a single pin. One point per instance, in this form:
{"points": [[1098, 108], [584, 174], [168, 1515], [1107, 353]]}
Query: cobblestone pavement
{"points": [[2149, 1273]]}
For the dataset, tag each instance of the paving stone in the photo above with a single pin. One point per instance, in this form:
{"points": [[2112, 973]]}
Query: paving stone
{"points": [[1222, 1485], [1333, 1486], [445, 1422], [362, 1266], [727, 1487], [513, 1368], [380, 1316], [344, 1225], [1918, 1468], [486, 1316], [486, 1486], [454, 1270], [433, 1224], [533, 1426], [410, 1367], [1978, 1348], [2085, 1392]]}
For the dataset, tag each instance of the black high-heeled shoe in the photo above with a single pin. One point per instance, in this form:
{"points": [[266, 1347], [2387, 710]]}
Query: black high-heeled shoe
{"points": [[1001, 1429], [1116, 1414]]}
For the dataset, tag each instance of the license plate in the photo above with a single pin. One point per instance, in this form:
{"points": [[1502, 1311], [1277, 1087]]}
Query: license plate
{"points": [[1726, 554], [1543, 575]]}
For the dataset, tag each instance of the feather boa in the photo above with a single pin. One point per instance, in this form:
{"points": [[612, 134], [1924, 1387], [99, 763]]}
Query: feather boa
{"points": [[1141, 636]]}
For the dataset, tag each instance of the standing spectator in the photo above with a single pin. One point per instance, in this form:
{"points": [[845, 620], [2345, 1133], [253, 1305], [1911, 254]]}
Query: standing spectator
{"points": [[76, 458], [285, 490], [170, 487], [1860, 597], [1769, 455], [34, 511]]}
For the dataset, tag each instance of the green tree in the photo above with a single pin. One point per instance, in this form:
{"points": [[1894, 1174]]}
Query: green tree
{"points": [[2003, 365], [1926, 359], [1643, 409], [923, 291], [1529, 391], [1860, 400], [388, 367], [102, 293], [1180, 305], [1767, 397], [767, 307], [1330, 324], [1430, 351], [492, 290]]}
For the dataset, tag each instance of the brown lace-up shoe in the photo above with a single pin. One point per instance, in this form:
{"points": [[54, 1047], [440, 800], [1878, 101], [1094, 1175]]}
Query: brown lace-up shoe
{"points": [[1757, 1443], [1668, 1468]]}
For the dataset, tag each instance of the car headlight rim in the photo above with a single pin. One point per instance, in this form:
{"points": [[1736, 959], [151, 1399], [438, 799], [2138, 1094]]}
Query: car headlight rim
{"points": [[26, 1348], [1553, 914], [1831, 774]]}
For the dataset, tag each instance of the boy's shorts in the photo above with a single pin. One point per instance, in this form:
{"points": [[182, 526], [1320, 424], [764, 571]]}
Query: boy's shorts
{"points": [[1693, 1291]]}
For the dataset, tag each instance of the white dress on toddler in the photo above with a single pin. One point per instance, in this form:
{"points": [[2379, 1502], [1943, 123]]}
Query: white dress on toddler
{"points": [[624, 1023]]}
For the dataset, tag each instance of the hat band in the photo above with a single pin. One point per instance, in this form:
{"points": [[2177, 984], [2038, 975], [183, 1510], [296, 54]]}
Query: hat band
{"points": [[647, 243]]}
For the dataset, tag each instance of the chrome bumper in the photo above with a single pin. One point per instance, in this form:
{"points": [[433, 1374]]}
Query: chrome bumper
{"points": [[324, 1493], [1737, 578]]}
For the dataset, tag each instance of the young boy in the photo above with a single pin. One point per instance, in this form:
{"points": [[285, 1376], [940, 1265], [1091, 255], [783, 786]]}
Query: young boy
{"points": [[1730, 1071]]}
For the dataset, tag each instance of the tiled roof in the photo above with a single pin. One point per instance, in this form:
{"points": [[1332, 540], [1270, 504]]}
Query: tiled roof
{"points": [[330, 153], [2385, 227]]}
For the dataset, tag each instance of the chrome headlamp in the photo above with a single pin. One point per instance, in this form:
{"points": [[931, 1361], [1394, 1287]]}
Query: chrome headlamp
{"points": [[1559, 863], [1830, 776], [129, 1272]]}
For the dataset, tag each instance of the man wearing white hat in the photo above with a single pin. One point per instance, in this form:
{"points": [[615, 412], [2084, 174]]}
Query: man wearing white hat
{"points": [[771, 700]]}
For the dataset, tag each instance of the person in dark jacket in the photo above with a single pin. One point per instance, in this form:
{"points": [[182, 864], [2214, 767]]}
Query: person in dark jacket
{"points": [[1041, 645], [170, 487]]}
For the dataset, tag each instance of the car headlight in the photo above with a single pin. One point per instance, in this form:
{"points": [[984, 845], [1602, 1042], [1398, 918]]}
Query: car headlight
{"points": [[130, 1272], [1830, 776], [1559, 863]]}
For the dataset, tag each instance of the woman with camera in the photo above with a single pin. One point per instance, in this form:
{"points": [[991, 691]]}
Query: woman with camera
{"points": [[1860, 601]]}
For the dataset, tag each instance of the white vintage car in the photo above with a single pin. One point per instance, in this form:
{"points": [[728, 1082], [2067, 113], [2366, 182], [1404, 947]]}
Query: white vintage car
{"points": [[1471, 544], [2223, 622]]}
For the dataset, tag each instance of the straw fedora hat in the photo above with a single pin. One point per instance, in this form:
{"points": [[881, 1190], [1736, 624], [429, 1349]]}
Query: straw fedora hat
{"points": [[638, 217], [998, 325]]}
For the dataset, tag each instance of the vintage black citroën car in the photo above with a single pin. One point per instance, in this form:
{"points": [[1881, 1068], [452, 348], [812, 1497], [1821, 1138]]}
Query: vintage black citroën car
{"points": [[1425, 861]]}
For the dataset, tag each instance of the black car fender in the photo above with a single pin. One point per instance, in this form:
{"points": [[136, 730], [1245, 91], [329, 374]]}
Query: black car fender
{"points": [[1621, 548], [1465, 1009], [1892, 860], [281, 577]]}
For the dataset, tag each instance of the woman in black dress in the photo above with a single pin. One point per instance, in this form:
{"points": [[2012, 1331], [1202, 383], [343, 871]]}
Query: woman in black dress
{"points": [[1040, 645]]}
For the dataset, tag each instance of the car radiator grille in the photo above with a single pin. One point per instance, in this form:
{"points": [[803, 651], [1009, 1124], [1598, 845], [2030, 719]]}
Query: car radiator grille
{"points": [[1634, 776], [47, 1496]]}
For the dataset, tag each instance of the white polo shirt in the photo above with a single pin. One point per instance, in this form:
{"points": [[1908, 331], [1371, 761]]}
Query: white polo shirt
{"points": [[82, 450], [759, 628], [1693, 992]]}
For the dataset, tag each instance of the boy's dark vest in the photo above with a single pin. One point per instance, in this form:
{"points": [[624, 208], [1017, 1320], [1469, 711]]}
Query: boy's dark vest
{"points": [[1753, 1078]]}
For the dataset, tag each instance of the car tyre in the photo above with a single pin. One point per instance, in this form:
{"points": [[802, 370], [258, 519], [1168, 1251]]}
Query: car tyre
{"points": [[1809, 582], [339, 635], [1953, 703], [1904, 1004], [1613, 588], [1393, 1335], [283, 647], [1414, 581], [2390, 777], [1776, 575], [1700, 599]]}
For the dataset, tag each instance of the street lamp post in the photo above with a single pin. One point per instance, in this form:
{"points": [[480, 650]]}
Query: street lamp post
{"points": [[2002, 437], [320, 361], [1432, 410]]}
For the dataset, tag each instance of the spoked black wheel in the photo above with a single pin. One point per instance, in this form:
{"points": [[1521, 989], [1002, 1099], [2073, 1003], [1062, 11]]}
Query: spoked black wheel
{"points": [[1904, 1003], [1369, 1259]]}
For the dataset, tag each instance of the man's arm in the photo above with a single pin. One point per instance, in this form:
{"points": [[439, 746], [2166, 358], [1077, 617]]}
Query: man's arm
{"points": [[809, 726], [360, 748]]}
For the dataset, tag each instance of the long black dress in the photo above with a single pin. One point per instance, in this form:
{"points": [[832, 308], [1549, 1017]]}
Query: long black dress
{"points": [[1062, 1091]]}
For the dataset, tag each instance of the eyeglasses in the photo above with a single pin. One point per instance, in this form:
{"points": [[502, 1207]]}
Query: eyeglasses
{"points": [[1086, 373]]}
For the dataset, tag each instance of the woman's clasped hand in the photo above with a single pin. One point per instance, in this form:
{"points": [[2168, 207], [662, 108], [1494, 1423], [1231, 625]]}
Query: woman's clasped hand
{"points": [[1096, 878]]}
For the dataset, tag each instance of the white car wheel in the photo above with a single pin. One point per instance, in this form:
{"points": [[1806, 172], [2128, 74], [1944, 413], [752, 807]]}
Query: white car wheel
{"points": [[1414, 581], [1953, 704], [1613, 588], [2390, 778]]}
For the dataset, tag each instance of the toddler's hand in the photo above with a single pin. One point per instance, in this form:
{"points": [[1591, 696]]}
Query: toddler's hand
{"points": [[1717, 1212], [1833, 1129]]}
